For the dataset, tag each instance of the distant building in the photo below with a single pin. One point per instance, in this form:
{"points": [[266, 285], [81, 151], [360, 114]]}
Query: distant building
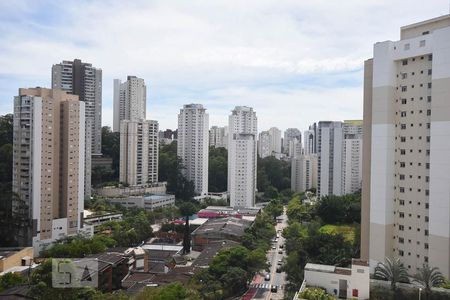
{"points": [[192, 145], [219, 229], [139, 152], [218, 136], [264, 149], [309, 141], [242, 156], [130, 100], [304, 172], [340, 157], [289, 135], [149, 202], [48, 165], [15, 260]]}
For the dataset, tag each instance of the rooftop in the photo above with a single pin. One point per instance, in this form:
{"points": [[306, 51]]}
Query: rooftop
{"points": [[230, 226], [211, 250]]}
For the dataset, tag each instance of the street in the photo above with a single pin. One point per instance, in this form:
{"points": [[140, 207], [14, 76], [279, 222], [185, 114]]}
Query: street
{"points": [[264, 286]]}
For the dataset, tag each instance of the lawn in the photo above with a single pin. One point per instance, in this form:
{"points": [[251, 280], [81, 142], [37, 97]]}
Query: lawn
{"points": [[347, 230]]}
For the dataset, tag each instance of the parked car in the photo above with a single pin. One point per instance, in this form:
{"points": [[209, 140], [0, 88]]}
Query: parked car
{"points": [[267, 278], [274, 247], [279, 270], [281, 246], [280, 251], [274, 289]]}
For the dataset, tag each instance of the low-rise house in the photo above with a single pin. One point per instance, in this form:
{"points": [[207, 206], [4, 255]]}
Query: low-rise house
{"points": [[112, 268], [113, 191], [16, 259], [344, 283], [211, 250], [95, 219], [149, 202], [219, 229], [248, 213]]}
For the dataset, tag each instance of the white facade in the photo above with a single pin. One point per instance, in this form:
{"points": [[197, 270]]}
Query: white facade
{"points": [[339, 148], [139, 151], [148, 202], [303, 172], [192, 147], [130, 100], [344, 283], [275, 141], [218, 136], [289, 135], [242, 156], [409, 195], [264, 149], [309, 141]]}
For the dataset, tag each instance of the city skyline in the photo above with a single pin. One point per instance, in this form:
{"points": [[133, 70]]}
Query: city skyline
{"points": [[218, 62]]}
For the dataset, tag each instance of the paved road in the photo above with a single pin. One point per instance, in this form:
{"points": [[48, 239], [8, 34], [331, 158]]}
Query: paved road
{"points": [[278, 279]]}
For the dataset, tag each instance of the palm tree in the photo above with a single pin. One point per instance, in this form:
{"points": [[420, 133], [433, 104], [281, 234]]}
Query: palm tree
{"points": [[393, 270], [428, 278]]}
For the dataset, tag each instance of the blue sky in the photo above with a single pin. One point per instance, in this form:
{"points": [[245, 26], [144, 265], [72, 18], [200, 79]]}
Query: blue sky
{"points": [[295, 62]]}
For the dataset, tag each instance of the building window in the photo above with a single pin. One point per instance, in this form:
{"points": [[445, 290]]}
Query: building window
{"points": [[403, 101], [404, 88], [430, 57], [430, 72], [426, 245], [422, 43], [404, 62]]}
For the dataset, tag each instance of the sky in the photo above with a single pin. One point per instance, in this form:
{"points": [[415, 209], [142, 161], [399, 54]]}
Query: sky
{"points": [[295, 62]]}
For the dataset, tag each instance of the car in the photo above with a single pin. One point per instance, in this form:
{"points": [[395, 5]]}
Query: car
{"points": [[274, 289], [267, 277], [278, 235], [274, 247], [281, 246], [280, 251], [278, 270], [280, 261]]}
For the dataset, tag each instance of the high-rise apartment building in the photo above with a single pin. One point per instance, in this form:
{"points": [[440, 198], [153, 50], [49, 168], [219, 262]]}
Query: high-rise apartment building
{"points": [[130, 100], [304, 172], [218, 136], [139, 149], [48, 165], [289, 135], [85, 81], [82, 79], [242, 153], [193, 145], [264, 149], [406, 195], [329, 149], [339, 157], [352, 144], [309, 141], [275, 141]]}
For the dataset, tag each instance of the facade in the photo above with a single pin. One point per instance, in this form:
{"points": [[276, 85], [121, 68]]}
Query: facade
{"points": [[242, 156], [352, 156], [289, 135], [406, 199], [82, 79], [48, 165], [218, 136], [148, 202], [343, 283], [192, 145], [139, 152], [130, 100], [15, 259], [295, 148], [309, 141], [304, 172], [264, 149], [329, 151], [275, 141], [339, 157]]}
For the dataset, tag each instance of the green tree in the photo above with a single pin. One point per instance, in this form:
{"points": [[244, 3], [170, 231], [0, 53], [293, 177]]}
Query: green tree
{"points": [[218, 169], [392, 270], [429, 277], [274, 208], [10, 280], [187, 209], [111, 148], [172, 291]]}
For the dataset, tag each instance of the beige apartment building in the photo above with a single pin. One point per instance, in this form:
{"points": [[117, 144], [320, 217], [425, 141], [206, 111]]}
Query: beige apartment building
{"points": [[139, 152], [406, 163], [48, 164]]}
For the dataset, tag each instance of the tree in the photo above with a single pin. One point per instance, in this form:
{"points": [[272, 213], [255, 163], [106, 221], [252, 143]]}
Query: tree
{"points": [[392, 270], [172, 291], [111, 148], [274, 208], [10, 280], [218, 169], [429, 277], [186, 210]]}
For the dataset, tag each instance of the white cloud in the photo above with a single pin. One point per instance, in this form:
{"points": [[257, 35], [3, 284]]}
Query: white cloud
{"points": [[295, 61]]}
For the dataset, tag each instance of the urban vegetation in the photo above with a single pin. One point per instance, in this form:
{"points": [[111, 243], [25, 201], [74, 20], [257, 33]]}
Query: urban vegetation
{"points": [[315, 294]]}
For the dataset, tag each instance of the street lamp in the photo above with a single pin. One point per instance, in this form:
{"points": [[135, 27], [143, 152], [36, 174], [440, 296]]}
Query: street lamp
{"points": [[420, 292]]}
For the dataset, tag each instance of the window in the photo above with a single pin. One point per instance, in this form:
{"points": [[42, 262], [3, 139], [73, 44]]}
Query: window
{"points": [[403, 101], [402, 126], [426, 245], [422, 43], [401, 227], [403, 114], [404, 75], [402, 202], [428, 112], [429, 72], [400, 252], [401, 240], [402, 164], [404, 88], [401, 215], [402, 139], [429, 85], [407, 46], [430, 57], [404, 62]]}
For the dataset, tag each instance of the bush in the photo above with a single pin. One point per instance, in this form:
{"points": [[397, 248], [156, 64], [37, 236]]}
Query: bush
{"points": [[315, 294]]}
